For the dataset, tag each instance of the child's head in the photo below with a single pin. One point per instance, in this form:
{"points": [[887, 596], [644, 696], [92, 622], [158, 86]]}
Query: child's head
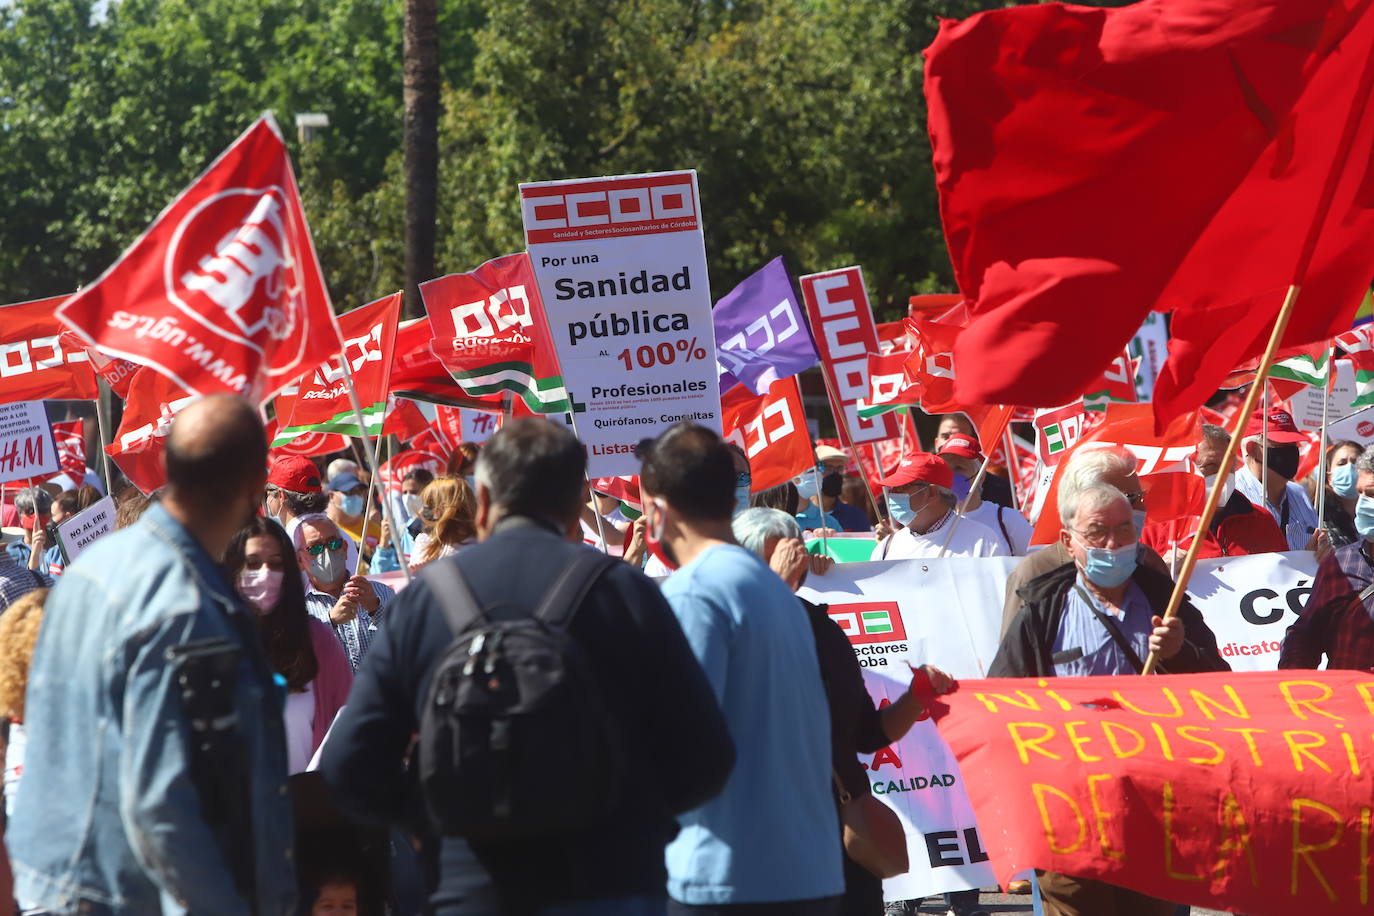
{"points": [[337, 895]]}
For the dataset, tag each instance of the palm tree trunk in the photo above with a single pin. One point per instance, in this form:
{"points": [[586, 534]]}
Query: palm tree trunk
{"points": [[421, 98]]}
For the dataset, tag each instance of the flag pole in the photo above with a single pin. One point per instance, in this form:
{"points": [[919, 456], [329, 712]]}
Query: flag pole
{"points": [[1013, 466], [102, 425], [1263, 380], [367, 516], [1321, 444], [374, 457], [973, 487], [1209, 507]]}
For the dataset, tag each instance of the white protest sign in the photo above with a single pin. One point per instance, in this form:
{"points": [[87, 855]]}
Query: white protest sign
{"points": [[621, 267], [1307, 403], [26, 444], [1358, 426], [1250, 602], [81, 530], [478, 425]]}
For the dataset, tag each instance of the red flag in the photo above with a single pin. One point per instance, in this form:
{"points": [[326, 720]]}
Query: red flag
{"points": [[306, 445], [117, 373], [35, 363], [930, 366], [889, 385], [223, 292], [417, 372], [70, 438], [394, 470], [404, 420], [771, 428], [154, 400], [1094, 164], [434, 441]]}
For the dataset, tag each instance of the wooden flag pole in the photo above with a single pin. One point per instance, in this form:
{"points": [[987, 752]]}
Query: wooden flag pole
{"points": [[374, 458], [1209, 508]]}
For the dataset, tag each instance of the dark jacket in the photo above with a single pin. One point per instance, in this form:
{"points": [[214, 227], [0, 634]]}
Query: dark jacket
{"points": [[1029, 641], [678, 747]]}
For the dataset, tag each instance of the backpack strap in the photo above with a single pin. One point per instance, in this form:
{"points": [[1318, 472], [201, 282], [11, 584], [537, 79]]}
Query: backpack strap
{"points": [[456, 600], [570, 587]]}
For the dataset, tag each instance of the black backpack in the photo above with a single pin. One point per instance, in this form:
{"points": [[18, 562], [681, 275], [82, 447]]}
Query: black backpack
{"points": [[516, 740]]}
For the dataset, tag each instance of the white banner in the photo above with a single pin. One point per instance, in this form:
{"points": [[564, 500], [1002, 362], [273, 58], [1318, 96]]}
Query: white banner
{"points": [[621, 267], [948, 613], [26, 445], [478, 425], [1307, 403], [81, 530]]}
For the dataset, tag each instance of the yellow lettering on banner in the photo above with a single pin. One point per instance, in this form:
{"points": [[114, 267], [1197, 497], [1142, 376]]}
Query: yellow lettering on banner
{"points": [[1063, 703], [1247, 734], [1109, 730], [1300, 749], [1236, 710], [1040, 789], [1101, 817], [1349, 744], [1078, 741], [1176, 714], [1024, 744], [1164, 747], [1297, 704], [1218, 753], [1362, 689], [1364, 856], [1027, 701], [1235, 837], [1303, 851], [1169, 838]]}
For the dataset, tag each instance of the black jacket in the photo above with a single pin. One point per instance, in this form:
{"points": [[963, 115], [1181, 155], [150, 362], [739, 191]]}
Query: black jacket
{"points": [[1029, 641], [678, 746]]}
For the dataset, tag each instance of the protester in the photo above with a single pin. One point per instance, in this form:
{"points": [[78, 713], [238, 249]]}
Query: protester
{"points": [[1285, 500], [293, 490], [18, 633], [920, 505], [614, 527], [809, 514], [17, 580], [342, 466], [449, 511], [131, 508], [120, 810], [35, 513], [772, 836], [66, 505], [335, 894], [1342, 493], [385, 558], [1335, 622], [964, 456], [1101, 615], [855, 493], [353, 605], [348, 510], [832, 488], [1114, 467], [783, 497], [261, 562], [1237, 528], [856, 726], [676, 747], [953, 424]]}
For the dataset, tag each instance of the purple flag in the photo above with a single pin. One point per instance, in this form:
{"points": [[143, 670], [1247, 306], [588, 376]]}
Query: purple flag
{"points": [[760, 333]]}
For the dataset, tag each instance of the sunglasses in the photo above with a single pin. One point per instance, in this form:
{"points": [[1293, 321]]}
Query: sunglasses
{"points": [[332, 544]]}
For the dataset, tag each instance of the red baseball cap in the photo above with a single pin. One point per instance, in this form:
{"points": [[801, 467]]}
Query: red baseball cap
{"points": [[920, 467], [295, 473], [1279, 427], [961, 445]]}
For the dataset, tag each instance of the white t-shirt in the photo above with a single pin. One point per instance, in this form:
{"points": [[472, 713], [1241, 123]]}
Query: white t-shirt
{"points": [[299, 717], [971, 539], [1017, 528]]}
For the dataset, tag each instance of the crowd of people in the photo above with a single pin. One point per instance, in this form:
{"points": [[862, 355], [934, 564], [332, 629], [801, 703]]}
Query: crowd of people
{"points": [[170, 699]]}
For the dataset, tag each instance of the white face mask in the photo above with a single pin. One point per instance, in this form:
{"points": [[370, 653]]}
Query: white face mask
{"points": [[412, 503], [1228, 488], [329, 567], [261, 586]]}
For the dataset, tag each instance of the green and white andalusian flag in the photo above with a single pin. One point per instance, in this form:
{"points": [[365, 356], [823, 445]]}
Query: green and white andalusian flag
{"points": [[540, 395], [1309, 370]]}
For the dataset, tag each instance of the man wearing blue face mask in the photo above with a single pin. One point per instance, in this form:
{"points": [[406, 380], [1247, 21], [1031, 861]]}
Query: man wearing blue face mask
{"points": [[347, 508], [920, 504], [1336, 621], [353, 605]]}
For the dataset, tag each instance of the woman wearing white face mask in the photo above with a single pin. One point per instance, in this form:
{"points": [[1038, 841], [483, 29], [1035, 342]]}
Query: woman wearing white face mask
{"points": [[303, 651], [1341, 492]]}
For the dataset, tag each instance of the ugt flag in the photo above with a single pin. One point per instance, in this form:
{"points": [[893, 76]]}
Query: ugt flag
{"points": [[222, 293], [760, 334]]}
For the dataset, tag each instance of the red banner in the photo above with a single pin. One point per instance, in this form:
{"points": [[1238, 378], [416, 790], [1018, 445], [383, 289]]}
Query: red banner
{"points": [[153, 401], [34, 362], [223, 292], [771, 428], [1249, 793], [404, 420]]}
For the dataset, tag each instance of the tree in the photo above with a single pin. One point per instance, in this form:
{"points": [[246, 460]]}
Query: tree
{"points": [[421, 145]]}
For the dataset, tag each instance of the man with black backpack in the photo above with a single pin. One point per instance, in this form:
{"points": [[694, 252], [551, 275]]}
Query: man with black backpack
{"points": [[562, 718]]}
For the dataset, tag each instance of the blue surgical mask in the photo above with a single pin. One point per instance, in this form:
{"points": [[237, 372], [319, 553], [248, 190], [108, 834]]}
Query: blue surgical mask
{"points": [[961, 487], [1138, 516], [351, 505], [808, 486], [1364, 517], [899, 507], [1109, 567], [741, 498], [1343, 480]]}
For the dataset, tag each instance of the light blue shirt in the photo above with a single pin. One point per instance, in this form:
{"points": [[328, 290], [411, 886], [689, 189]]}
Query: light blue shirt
{"points": [[773, 834], [814, 518], [1080, 629]]}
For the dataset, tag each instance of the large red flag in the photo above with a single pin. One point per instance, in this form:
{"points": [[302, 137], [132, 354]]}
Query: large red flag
{"points": [[138, 444], [417, 372], [771, 428], [34, 362], [223, 292], [1173, 154]]}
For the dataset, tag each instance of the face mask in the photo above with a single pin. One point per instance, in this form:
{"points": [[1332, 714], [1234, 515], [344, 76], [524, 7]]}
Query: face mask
{"points": [[329, 567], [261, 587], [1138, 516], [899, 507], [832, 485], [412, 503], [961, 487], [807, 486], [1227, 489], [742, 494], [351, 505], [1343, 480], [1364, 517], [1283, 461], [653, 538], [1109, 568], [471, 482]]}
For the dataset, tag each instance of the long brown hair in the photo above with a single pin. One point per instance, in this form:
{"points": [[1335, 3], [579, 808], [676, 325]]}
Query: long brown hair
{"points": [[285, 629], [453, 508]]}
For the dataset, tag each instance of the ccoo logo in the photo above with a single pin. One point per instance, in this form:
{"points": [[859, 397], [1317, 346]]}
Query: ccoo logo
{"points": [[243, 282]]}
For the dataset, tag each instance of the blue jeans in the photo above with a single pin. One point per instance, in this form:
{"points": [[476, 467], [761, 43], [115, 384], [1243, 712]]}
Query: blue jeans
{"points": [[616, 906]]}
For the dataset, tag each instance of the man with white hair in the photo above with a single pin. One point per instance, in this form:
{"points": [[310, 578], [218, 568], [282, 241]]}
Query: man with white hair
{"points": [[1115, 467], [920, 504]]}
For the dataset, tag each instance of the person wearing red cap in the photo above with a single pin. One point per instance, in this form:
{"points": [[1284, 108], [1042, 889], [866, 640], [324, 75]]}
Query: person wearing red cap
{"points": [[293, 489], [963, 455], [923, 523], [1286, 501]]}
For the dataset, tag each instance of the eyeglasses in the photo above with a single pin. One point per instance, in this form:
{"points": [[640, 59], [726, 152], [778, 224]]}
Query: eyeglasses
{"points": [[1099, 536], [333, 544]]}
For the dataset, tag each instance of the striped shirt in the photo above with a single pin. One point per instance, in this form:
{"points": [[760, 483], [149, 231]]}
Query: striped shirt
{"points": [[355, 635], [17, 581]]}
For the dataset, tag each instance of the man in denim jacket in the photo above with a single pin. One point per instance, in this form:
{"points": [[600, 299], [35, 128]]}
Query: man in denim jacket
{"points": [[108, 819]]}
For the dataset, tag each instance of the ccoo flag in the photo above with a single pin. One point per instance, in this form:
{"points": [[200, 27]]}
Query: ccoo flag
{"points": [[223, 292], [760, 333]]}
